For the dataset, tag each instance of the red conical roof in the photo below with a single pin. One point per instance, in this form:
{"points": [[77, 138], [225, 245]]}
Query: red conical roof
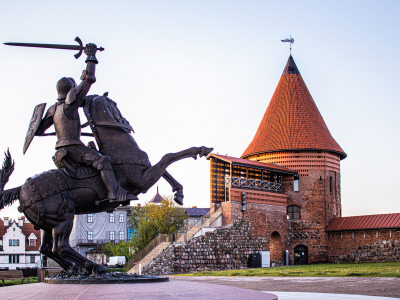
{"points": [[292, 121]]}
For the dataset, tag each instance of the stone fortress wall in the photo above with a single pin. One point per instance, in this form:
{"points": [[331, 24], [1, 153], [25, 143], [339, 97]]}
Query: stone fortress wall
{"points": [[228, 247]]}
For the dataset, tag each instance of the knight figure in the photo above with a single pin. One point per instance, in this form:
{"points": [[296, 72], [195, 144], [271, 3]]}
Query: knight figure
{"points": [[71, 152]]}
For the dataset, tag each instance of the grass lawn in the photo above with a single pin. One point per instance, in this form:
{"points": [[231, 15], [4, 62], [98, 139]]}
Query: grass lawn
{"points": [[109, 270], [391, 269], [17, 281]]}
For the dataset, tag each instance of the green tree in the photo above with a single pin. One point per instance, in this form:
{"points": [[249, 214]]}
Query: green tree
{"points": [[150, 220], [165, 218]]}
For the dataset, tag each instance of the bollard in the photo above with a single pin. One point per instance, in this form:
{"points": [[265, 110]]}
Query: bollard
{"points": [[41, 274]]}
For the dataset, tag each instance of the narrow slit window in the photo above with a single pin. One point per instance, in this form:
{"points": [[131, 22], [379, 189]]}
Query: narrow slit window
{"points": [[296, 183], [330, 185]]}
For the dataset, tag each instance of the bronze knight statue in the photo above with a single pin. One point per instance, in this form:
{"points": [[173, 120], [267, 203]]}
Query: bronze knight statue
{"points": [[87, 180], [65, 117]]}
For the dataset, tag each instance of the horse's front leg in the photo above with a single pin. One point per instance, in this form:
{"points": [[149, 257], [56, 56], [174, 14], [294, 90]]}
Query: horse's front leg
{"points": [[176, 187], [191, 152], [152, 174]]}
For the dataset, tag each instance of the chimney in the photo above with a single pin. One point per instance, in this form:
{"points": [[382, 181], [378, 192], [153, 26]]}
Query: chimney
{"points": [[6, 221], [20, 221], [139, 205]]}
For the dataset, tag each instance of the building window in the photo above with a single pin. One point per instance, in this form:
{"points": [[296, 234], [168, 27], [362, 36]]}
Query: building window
{"points": [[90, 218], [10, 243], [121, 236], [293, 212], [12, 259], [112, 218], [121, 218], [331, 185], [90, 235], [32, 259], [296, 183], [112, 235], [17, 244], [32, 242]]}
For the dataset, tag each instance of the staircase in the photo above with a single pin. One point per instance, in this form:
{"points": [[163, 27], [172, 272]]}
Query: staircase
{"points": [[162, 241], [149, 257]]}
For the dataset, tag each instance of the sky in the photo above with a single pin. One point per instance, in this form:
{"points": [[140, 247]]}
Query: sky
{"points": [[194, 73]]}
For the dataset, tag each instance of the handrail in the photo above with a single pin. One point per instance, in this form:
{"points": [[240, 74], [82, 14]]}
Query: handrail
{"points": [[145, 250]]}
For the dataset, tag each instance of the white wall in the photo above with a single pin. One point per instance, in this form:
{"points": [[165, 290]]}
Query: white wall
{"points": [[14, 233]]}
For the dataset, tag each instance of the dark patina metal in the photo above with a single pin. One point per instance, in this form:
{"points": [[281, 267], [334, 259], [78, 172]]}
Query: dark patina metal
{"points": [[88, 180]]}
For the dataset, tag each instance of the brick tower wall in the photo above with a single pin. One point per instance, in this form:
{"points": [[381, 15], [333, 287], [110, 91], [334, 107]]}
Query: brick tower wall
{"points": [[318, 203]]}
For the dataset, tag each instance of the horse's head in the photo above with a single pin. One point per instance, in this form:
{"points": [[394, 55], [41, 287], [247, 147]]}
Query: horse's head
{"points": [[102, 111]]}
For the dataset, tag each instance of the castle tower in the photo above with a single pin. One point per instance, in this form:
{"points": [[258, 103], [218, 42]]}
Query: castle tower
{"points": [[293, 134]]}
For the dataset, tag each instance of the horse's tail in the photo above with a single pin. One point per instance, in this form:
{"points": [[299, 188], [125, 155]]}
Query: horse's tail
{"points": [[7, 197]]}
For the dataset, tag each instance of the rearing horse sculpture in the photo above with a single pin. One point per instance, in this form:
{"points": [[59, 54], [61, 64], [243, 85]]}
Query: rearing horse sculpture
{"points": [[51, 199]]}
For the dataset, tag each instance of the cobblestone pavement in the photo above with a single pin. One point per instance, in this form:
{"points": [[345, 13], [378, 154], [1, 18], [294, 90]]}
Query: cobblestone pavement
{"points": [[372, 286]]}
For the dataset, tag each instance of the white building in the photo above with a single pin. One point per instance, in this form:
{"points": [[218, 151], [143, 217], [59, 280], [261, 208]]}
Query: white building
{"points": [[19, 244]]}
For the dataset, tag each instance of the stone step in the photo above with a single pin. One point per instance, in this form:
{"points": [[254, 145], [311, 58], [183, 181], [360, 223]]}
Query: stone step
{"points": [[192, 231], [149, 257]]}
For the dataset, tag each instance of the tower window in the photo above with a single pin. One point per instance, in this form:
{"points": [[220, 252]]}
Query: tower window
{"points": [[293, 212], [330, 185], [296, 183]]}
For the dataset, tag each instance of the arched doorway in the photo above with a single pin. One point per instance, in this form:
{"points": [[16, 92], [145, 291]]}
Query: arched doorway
{"points": [[276, 249], [301, 255]]}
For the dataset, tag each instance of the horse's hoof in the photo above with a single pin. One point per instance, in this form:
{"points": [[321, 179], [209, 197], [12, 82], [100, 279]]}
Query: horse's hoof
{"points": [[205, 151], [178, 198], [99, 270]]}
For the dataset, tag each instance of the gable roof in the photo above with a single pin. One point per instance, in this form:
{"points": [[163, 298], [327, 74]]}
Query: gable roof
{"points": [[365, 222], [292, 120], [252, 163]]}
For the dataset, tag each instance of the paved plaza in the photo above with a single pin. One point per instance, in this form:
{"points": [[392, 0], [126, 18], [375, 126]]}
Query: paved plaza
{"points": [[232, 288], [368, 286], [171, 290]]}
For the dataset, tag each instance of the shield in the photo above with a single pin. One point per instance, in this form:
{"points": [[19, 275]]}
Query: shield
{"points": [[34, 124]]}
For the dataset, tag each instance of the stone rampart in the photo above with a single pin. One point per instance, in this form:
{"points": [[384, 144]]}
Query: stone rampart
{"points": [[228, 247]]}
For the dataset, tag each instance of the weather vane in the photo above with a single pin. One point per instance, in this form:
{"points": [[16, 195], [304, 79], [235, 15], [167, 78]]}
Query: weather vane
{"points": [[291, 41]]}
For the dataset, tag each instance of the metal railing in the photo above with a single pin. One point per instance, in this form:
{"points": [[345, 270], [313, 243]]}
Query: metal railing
{"points": [[145, 250], [253, 184]]}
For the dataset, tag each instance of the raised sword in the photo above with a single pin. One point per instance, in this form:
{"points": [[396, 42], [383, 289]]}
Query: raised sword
{"points": [[79, 47]]}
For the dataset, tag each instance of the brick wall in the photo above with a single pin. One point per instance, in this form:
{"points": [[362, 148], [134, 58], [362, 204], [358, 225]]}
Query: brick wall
{"points": [[364, 246], [318, 207]]}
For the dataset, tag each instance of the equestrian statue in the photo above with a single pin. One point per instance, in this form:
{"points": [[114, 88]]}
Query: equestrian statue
{"points": [[87, 179]]}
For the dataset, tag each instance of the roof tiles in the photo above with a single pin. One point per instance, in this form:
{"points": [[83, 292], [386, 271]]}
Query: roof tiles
{"points": [[365, 222], [292, 120]]}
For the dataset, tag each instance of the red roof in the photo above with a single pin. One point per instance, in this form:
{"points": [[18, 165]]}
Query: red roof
{"points": [[292, 121], [251, 163], [365, 222]]}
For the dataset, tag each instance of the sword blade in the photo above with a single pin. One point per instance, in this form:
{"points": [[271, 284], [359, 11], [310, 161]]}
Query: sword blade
{"points": [[50, 46]]}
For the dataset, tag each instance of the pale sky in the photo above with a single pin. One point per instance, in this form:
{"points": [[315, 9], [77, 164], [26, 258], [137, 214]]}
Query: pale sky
{"points": [[193, 73]]}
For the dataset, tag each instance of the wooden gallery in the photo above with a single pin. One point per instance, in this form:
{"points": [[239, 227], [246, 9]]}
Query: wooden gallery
{"points": [[287, 184]]}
